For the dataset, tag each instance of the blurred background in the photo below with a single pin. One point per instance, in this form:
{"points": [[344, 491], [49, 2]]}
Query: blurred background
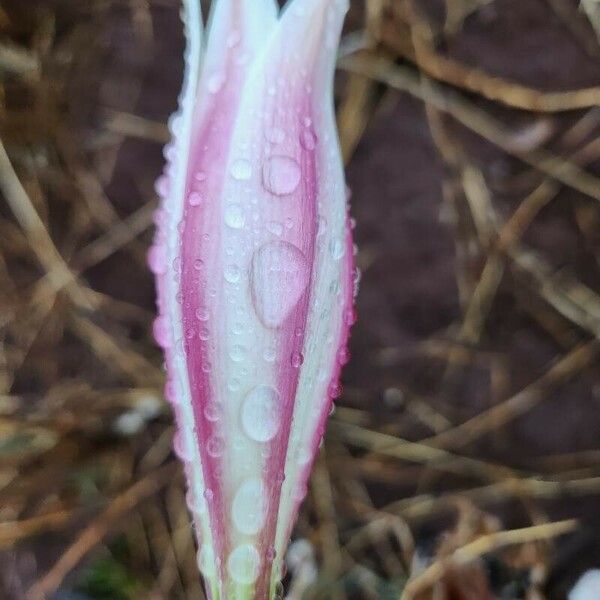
{"points": [[464, 451]]}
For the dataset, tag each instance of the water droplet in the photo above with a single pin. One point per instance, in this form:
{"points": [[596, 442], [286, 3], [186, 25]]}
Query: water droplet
{"points": [[260, 414], [297, 359], [271, 554], [281, 175], [203, 334], [241, 170], [215, 446], [162, 186], [195, 199], [198, 264], [335, 390], [248, 507], [213, 410], [237, 353], [195, 504], [161, 332], [202, 314], [234, 216], [243, 564], [232, 273], [200, 176], [279, 277], [343, 356], [308, 139], [349, 316], [180, 447], [157, 259]]}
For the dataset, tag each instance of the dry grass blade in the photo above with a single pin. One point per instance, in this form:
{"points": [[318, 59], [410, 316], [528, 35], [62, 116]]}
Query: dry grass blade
{"points": [[95, 532], [484, 545]]}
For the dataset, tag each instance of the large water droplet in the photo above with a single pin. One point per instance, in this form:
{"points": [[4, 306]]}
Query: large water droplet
{"points": [[243, 564], [260, 414], [281, 175], [280, 274], [234, 216], [241, 170], [248, 508]]}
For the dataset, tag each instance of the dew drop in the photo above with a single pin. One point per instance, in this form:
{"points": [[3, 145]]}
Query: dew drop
{"points": [[308, 139], [234, 216], [243, 564], [343, 356], [157, 259], [349, 316], [335, 390], [232, 274], [195, 199], [279, 277], [241, 170], [297, 359], [237, 353], [212, 411], [162, 186], [248, 507], [215, 446], [260, 414], [180, 447], [202, 314], [281, 175]]}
